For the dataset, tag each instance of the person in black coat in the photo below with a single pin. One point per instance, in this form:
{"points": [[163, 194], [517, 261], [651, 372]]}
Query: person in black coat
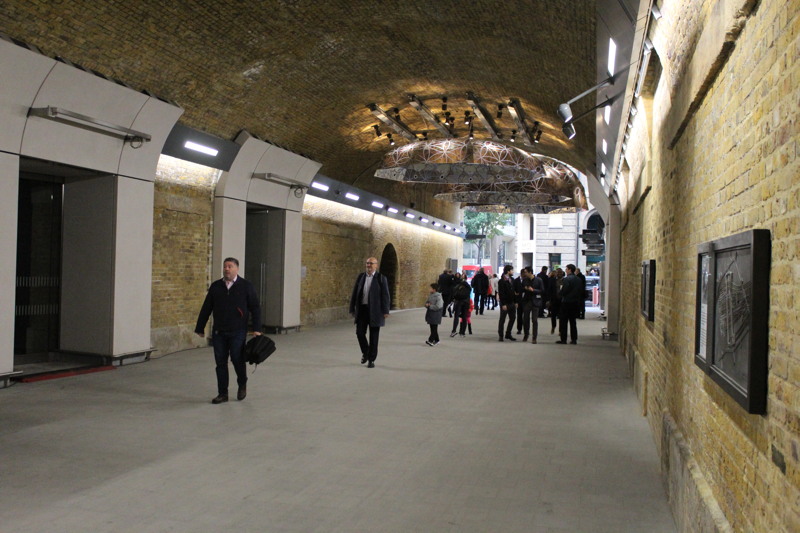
{"points": [[508, 303], [480, 284], [517, 284], [369, 305], [571, 296], [542, 275], [446, 281], [582, 306], [461, 292], [232, 300]]}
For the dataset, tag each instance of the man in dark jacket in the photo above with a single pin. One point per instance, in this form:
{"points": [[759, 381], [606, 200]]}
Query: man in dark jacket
{"points": [[232, 300], [542, 275], [582, 306], [508, 303], [480, 284], [517, 284], [446, 288], [369, 305], [571, 295]]}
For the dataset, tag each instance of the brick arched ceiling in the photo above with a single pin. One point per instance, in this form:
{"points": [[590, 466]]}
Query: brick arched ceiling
{"points": [[300, 73]]}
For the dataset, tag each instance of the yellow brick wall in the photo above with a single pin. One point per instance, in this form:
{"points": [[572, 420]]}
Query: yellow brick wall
{"points": [[182, 226], [337, 239], [734, 168]]}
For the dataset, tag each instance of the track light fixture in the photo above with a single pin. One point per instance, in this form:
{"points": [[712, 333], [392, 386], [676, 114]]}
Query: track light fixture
{"points": [[377, 130], [500, 108], [538, 136], [391, 140], [467, 118], [471, 135], [483, 115], [428, 115], [425, 135], [565, 111], [513, 136], [390, 121], [444, 103], [396, 114], [569, 130]]}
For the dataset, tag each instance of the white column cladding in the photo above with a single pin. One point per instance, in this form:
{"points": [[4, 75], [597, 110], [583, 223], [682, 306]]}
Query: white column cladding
{"points": [[9, 199], [107, 266], [88, 266], [292, 226], [611, 283], [133, 265], [230, 220]]}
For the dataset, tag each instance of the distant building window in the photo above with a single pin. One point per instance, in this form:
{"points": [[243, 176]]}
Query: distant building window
{"points": [[555, 261], [533, 225], [556, 222]]}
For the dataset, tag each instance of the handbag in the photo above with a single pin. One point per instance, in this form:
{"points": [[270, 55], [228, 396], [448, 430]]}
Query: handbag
{"points": [[258, 349]]}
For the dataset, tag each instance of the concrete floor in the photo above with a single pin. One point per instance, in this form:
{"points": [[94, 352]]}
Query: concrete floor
{"points": [[471, 435]]}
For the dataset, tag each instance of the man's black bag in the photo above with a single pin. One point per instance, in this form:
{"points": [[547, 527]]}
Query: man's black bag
{"points": [[258, 349]]}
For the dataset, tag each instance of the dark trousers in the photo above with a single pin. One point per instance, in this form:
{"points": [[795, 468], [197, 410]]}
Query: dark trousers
{"points": [[480, 302], [460, 308], [520, 311], [229, 344], [511, 313], [582, 310], [434, 333], [568, 314], [491, 300], [446, 298], [530, 319], [368, 349], [555, 306]]}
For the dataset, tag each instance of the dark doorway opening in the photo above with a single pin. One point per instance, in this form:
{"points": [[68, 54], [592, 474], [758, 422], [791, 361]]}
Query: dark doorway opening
{"points": [[388, 267], [38, 280]]}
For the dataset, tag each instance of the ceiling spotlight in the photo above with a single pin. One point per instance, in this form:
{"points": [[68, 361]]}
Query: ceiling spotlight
{"points": [[471, 135], [392, 210], [467, 118], [410, 215], [444, 103], [500, 108], [377, 204], [565, 112], [391, 140], [569, 130], [377, 130], [656, 12], [538, 136], [396, 114], [425, 135], [424, 220], [513, 136]]}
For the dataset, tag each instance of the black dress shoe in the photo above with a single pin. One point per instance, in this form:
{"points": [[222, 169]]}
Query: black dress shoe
{"points": [[363, 359], [525, 338], [371, 365], [500, 339], [561, 342], [509, 337], [242, 393], [220, 398], [573, 342]]}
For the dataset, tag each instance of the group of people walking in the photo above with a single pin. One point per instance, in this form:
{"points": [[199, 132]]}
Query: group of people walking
{"points": [[232, 301]]}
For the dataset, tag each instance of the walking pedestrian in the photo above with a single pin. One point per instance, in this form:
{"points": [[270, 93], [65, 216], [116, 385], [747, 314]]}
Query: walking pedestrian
{"points": [[433, 313], [369, 306]]}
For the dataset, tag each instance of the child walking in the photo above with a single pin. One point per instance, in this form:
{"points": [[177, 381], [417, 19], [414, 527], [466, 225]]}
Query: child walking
{"points": [[433, 313]]}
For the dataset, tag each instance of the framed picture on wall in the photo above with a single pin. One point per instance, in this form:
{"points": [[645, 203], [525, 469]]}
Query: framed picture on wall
{"points": [[732, 339], [648, 302], [704, 305]]}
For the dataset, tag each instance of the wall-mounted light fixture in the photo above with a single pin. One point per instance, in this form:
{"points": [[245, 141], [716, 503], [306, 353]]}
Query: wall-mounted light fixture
{"points": [[410, 215], [393, 210], [86, 122], [351, 196], [377, 204], [319, 186]]}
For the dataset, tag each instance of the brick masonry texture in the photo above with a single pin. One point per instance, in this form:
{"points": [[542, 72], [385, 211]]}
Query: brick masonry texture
{"points": [[182, 226], [735, 168], [337, 239], [300, 73]]}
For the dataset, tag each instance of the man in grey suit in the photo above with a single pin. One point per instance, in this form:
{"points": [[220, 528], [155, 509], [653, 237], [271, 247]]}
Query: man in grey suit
{"points": [[369, 305]]}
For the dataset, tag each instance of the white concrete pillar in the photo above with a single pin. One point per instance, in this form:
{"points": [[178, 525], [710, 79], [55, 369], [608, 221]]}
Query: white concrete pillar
{"points": [[107, 266], [9, 198], [611, 282], [230, 220]]}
